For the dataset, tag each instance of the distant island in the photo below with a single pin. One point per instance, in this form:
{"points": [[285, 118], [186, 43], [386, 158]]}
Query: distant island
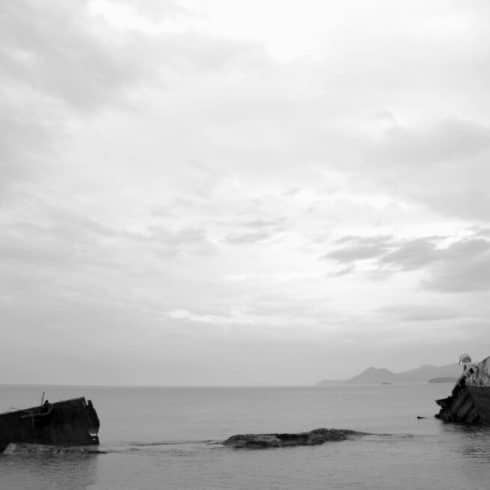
{"points": [[443, 379], [423, 374]]}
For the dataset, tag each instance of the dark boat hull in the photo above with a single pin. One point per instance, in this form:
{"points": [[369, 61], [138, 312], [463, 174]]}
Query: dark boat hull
{"points": [[70, 422]]}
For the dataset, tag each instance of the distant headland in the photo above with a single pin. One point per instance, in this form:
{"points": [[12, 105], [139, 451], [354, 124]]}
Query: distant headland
{"points": [[423, 374]]}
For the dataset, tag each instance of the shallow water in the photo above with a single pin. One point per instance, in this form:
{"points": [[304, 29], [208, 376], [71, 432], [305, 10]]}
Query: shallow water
{"points": [[165, 438]]}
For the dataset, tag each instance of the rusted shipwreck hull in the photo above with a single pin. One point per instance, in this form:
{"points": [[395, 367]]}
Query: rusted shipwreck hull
{"points": [[469, 402], [67, 423]]}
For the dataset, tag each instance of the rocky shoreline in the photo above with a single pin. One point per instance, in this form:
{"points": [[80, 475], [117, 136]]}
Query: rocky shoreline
{"points": [[311, 438]]}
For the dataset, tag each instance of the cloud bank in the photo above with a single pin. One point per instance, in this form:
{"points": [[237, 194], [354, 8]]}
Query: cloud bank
{"points": [[194, 193]]}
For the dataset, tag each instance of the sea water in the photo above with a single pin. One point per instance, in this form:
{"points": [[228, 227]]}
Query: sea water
{"points": [[168, 438]]}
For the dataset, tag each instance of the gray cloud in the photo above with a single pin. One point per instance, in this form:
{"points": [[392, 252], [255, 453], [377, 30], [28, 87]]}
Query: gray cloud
{"points": [[22, 141], [277, 223], [192, 241], [463, 265], [388, 251], [53, 62], [411, 254], [87, 63], [157, 9], [250, 237], [175, 238], [255, 230], [421, 312], [360, 248], [107, 121], [59, 64], [69, 240], [451, 155], [447, 141], [76, 65]]}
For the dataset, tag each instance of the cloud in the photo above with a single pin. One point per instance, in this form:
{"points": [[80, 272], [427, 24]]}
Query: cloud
{"points": [[58, 246], [360, 248], [411, 254], [56, 65], [78, 65], [389, 252], [451, 153], [264, 223], [256, 230], [153, 10], [460, 266], [444, 142], [172, 172], [63, 65], [234, 318], [185, 240], [246, 238], [23, 143], [465, 266], [421, 312], [66, 239]]}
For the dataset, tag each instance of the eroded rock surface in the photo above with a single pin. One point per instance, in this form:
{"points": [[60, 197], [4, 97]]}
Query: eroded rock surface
{"points": [[311, 438]]}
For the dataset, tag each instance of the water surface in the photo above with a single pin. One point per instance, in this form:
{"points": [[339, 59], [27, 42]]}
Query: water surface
{"points": [[164, 438]]}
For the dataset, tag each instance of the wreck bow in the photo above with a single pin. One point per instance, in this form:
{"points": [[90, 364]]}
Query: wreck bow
{"points": [[67, 423]]}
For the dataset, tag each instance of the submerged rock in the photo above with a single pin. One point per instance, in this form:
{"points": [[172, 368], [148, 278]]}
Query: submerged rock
{"points": [[311, 438]]}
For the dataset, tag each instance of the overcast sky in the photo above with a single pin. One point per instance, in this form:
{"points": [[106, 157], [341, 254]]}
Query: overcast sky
{"points": [[208, 192]]}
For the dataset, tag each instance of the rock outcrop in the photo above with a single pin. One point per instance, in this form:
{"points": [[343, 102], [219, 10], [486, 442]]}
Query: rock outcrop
{"points": [[311, 438], [459, 407], [469, 402]]}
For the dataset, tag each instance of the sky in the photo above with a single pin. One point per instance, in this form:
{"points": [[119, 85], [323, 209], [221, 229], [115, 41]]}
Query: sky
{"points": [[216, 192]]}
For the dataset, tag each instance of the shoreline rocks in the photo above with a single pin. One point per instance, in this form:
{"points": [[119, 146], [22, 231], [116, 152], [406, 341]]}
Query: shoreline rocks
{"points": [[311, 438]]}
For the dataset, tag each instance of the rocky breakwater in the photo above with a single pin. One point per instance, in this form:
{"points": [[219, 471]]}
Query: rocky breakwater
{"points": [[469, 401], [311, 438]]}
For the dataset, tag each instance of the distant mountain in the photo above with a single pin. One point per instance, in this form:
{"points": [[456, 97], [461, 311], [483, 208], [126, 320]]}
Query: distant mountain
{"points": [[424, 373], [373, 375], [421, 374]]}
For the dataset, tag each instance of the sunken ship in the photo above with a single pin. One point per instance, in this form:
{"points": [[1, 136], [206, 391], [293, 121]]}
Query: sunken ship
{"points": [[66, 423], [469, 402]]}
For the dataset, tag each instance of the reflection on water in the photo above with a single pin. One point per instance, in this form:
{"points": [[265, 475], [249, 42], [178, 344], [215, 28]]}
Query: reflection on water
{"points": [[39, 468], [473, 442]]}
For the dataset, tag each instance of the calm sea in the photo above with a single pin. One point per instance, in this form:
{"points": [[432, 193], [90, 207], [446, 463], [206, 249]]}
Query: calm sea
{"points": [[162, 438]]}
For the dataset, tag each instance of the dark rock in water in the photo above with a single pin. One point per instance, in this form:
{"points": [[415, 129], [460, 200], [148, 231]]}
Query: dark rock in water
{"points": [[312, 438]]}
